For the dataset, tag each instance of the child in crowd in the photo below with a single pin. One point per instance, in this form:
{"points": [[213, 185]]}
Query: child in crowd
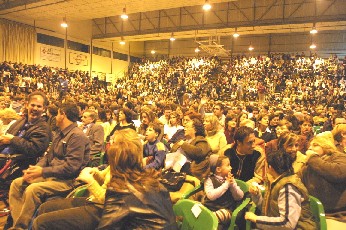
{"points": [[221, 189], [154, 151], [286, 202]]}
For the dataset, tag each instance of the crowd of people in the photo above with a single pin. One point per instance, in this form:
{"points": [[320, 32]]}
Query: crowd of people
{"points": [[275, 120]]}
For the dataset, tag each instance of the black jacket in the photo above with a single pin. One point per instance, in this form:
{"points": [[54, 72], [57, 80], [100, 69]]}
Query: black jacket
{"points": [[243, 167], [34, 141], [135, 210]]}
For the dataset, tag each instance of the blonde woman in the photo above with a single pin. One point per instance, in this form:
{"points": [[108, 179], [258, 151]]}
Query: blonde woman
{"points": [[124, 176], [8, 117], [135, 198], [339, 134], [324, 175], [215, 136]]}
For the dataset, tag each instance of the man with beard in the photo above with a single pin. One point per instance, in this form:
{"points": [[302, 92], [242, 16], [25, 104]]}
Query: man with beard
{"points": [[54, 174], [30, 135], [28, 138]]}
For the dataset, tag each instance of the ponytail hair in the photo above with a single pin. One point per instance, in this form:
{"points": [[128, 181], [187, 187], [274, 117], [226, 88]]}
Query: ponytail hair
{"points": [[280, 161]]}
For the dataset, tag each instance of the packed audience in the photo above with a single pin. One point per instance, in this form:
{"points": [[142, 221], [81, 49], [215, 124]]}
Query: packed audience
{"points": [[276, 121]]}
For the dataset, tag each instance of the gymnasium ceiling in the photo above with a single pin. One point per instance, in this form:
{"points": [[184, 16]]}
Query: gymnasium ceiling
{"points": [[158, 19]]}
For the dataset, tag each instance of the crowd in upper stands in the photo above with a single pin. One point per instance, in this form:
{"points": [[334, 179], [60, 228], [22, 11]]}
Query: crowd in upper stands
{"points": [[212, 118]]}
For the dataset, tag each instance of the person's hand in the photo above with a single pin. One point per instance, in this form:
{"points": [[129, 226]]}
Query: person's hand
{"points": [[87, 175], [254, 190], [32, 173], [180, 143], [6, 139], [230, 178], [251, 216], [310, 153]]}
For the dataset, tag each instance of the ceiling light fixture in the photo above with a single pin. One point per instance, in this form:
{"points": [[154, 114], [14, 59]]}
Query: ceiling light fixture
{"points": [[153, 52], [172, 38], [313, 30], [251, 48], [313, 46], [124, 16], [122, 42], [64, 23], [206, 5], [197, 50], [235, 35]]}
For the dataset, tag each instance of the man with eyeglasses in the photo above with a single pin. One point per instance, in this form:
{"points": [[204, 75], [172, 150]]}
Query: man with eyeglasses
{"points": [[247, 163]]}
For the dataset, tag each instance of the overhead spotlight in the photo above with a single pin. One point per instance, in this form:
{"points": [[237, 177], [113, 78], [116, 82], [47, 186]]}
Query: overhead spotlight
{"points": [[313, 46], [172, 38], [235, 35], [64, 23], [251, 48], [124, 16], [122, 42], [153, 52], [206, 5], [313, 30], [197, 50]]}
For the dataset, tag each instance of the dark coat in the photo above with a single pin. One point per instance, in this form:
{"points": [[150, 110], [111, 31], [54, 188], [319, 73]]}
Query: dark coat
{"points": [[198, 151], [34, 141], [138, 210]]}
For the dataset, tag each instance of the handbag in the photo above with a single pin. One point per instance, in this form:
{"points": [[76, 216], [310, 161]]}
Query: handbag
{"points": [[172, 180]]}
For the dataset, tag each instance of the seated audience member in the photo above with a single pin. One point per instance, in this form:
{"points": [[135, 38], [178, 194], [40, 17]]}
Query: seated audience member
{"points": [[135, 199], [324, 175], [215, 136], [248, 123], [282, 127], [196, 149], [174, 124], [218, 110], [286, 204], [164, 119], [230, 128], [221, 189], [93, 131], [102, 120], [54, 174], [241, 117], [147, 116], [274, 119], [7, 117], [154, 151], [262, 130], [306, 132], [247, 163], [30, 135], [339, 134], [289, 142], [124, 121], [52, 111], [180, 134]]}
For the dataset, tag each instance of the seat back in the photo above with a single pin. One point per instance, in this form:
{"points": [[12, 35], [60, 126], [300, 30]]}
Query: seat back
{"points": [[317, 210], [194, 215], [243, 185]]}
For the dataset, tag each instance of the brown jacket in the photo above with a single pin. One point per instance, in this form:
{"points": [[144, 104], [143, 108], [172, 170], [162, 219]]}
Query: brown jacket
{"points": [[325, 178]]}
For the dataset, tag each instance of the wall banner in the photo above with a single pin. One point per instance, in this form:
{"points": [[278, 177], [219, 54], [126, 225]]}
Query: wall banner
{"points": [[50, 54], [78, 59]]}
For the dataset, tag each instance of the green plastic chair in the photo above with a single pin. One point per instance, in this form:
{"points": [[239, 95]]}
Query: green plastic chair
{"points": [[243, 186], [317, 210], [205, 220]]}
